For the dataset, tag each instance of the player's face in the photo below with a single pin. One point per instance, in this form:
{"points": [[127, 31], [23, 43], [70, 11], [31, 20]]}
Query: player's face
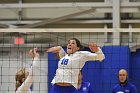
{"points": [[122, 76], [72, 47]]}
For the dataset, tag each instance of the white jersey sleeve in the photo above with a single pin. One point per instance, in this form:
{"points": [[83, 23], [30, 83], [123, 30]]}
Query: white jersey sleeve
{"points": [[95, 56], [62, 53], [25, 87]]}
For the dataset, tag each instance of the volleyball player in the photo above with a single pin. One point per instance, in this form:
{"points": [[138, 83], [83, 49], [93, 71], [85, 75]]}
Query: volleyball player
{"points": [[24, 77], [70, 64]]}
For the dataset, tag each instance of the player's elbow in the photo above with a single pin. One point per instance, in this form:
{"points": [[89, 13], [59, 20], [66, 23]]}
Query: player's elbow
{"points": [[101, 57]]}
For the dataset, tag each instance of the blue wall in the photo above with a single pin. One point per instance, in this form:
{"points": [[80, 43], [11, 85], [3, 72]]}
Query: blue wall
{"points": [[102, 75], [52, 66], [135, 69]]}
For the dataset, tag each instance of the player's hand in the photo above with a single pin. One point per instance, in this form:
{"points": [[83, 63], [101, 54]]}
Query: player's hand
{"points": [[54, 49], [93, 47], [33, 53]]}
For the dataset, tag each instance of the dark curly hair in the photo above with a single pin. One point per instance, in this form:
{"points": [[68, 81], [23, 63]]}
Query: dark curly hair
{"points": [[77, 42]]}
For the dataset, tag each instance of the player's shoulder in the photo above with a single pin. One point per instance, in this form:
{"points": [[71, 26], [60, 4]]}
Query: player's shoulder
{"points": [[131, 85], [83, 52], [116, 86]]}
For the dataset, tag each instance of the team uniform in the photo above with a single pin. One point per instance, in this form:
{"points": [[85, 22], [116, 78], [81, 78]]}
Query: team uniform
{"points": [[25, 87], [63, 89], [85, 88], [128, 88], [69, 66]]}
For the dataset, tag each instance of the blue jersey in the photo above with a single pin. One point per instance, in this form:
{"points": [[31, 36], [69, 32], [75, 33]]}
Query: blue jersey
{"points": [[85, 88], [128, 88]]}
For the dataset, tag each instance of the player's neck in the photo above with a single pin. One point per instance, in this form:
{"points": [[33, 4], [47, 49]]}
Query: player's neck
{"points": [[123, 84], [71, 53]]}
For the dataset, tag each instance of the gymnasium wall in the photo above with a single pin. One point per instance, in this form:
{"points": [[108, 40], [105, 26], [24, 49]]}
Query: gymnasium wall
{"points": [[135, 68]]}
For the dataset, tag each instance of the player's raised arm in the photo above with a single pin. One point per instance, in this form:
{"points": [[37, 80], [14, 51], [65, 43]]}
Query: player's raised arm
{"points": [[57, 49], [28, 79], [98, 52]]}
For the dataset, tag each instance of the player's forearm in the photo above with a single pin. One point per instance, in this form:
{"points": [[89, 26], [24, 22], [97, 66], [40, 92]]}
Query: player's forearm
{"points": [[100, 55], [62, 53], [35, 65]]}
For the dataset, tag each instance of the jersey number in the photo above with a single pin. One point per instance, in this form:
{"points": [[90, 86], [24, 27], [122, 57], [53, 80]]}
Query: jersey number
{"points": [[64, 61]]}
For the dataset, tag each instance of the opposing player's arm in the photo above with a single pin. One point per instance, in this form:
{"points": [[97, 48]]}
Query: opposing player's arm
{"points": [[29, 80]]}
